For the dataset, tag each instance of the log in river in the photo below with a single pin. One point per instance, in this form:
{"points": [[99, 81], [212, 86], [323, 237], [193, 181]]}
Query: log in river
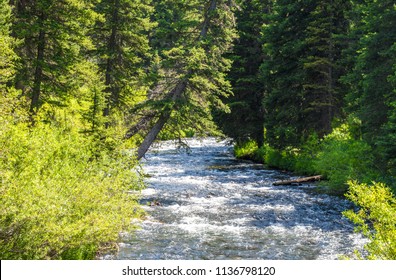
{"points": [[298, 180]]}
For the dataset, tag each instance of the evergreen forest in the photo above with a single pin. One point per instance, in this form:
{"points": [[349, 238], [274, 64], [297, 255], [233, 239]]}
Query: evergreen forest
{"points": [[87, 86]]}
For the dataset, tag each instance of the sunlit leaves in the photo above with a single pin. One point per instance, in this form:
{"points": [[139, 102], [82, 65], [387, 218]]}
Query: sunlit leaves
{"points": [[376, 218], [58, 197]]}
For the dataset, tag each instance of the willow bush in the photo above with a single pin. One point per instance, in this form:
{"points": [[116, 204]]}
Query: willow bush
{"points": [[57, 199], [375, 219], [342, 157]]}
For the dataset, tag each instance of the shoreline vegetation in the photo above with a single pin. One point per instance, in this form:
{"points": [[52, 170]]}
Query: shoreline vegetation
{"points": [[61, 196]]}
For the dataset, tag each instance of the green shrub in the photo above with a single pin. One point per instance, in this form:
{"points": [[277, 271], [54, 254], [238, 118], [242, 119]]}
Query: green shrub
{"points": [[58, 200], [265, 154], [305, 158], [342, 158], [376, 218], [280, 159], [273, 157], [259, 154], [245, 150]]}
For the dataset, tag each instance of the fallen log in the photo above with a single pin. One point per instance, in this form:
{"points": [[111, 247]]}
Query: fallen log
{"points": [[298, 180]]}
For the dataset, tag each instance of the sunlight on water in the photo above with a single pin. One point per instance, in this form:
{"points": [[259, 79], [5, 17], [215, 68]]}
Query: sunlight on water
{"points": [[205, 204]]}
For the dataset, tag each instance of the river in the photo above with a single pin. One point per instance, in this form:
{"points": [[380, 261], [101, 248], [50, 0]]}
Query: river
{"points": [[202, 203]]}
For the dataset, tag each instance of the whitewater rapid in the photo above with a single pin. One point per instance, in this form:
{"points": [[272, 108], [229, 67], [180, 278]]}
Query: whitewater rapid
{"points": [[202, 203]]}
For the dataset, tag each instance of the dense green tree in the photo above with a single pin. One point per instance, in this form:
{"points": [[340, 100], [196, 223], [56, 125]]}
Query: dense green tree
{"points": [[388, 140], [121, 40], [372, 82], [7, 55], [8, 59], [245, 120], [323, 64], [55, 201], [375, 218], [283, 73], [53, 35], [304, 43], [191, 73]]}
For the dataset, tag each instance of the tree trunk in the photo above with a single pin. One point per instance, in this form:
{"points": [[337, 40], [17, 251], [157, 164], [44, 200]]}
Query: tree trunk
{"points": [[152, 134], [38, 73], [155, 130]]}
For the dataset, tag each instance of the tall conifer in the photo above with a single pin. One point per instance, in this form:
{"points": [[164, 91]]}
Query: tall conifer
{"points": [[283, 73], [372, 81], [191, 73], [325, 40], [304, 44], [121, 40], [53, 35], [246, 118]]}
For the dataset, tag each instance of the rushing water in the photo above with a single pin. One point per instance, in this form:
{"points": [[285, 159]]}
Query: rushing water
{"points": [[205, 204]]}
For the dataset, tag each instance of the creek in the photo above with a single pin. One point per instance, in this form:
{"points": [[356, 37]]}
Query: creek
{"points": [[202, 203]]}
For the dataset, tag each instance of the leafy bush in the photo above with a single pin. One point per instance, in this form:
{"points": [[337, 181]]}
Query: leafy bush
{"points": [[259, 154], [305, 158], [280, 159], [342, 158], [245, 150], [57, 199], [376, 218]]}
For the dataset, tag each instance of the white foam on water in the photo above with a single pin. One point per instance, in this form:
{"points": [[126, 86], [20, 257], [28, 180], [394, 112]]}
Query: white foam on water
{"points": [[148, 191], [210, 206], [210, 229]]}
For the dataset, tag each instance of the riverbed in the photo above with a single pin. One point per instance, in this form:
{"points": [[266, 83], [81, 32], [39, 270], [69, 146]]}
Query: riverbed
{"points": [[202, 203]]}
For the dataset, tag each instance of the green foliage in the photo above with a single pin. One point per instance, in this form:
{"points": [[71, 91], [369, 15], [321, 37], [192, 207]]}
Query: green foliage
{"points": [[282, 159], [54, 36], [271, 157], [306, 156], [372, 88], [246, 150], [246, 117], [375, 219], [64, 181], [58, 200], [324, 42], [282, 72], [189, 72], [339, 157], [342, 158], [303, 47], [7, 55], [122, 50]]}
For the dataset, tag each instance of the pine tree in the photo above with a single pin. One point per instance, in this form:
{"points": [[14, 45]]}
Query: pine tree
{"points": [[191, 73], [304, 42], [8, 60], [323, 63], [53, 35], [246, 118], [283, 73], [372, 83], [121, 40]]}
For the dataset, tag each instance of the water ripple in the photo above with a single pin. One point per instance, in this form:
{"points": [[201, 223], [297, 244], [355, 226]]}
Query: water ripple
{"points": [[205, 204]]}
